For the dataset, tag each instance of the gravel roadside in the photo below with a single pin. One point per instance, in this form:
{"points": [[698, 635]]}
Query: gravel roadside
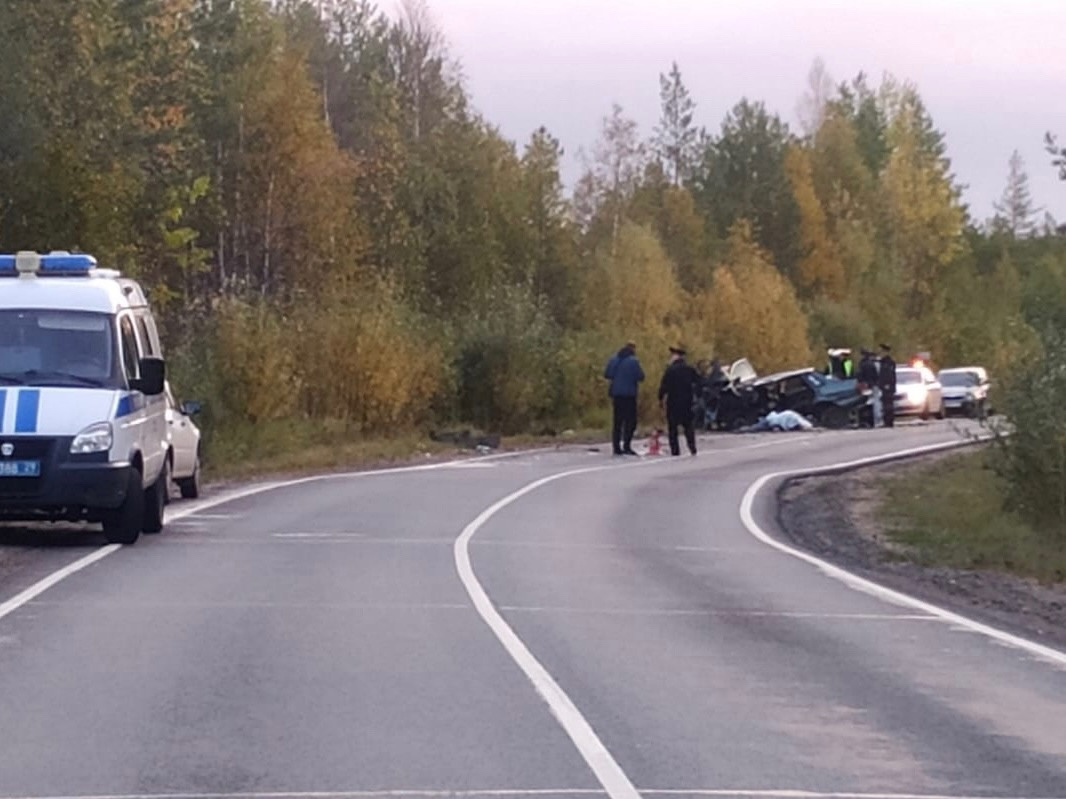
{"points": [[834, 517]]}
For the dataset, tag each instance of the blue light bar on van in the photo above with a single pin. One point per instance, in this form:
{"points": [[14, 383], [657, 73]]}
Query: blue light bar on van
{"points": [[54, 264]]}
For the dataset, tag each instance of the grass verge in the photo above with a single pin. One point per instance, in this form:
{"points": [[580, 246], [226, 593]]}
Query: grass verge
{"points": [[950, 513], [286, 447]]}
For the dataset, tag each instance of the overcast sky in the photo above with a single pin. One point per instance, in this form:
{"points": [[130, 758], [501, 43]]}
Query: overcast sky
{"points": [[993, 73]]}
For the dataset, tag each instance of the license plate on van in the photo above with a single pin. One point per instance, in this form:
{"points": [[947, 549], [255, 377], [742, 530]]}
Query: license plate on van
{"points": [[20, 468]]}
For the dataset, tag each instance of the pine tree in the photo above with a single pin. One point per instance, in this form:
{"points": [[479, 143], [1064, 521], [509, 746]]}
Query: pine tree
{"points": [[812, 106], [1058, 154], [676, 139], [1015, 209], [611, 177]]}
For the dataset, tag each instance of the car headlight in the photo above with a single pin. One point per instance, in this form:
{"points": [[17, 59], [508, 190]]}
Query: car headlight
{"points": [[94, 438]]}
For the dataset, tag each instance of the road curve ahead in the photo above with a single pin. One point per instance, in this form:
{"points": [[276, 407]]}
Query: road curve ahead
{"points": [[546, 625]]}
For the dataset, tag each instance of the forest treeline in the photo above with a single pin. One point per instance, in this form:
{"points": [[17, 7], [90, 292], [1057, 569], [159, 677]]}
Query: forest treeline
{"points": [[331, 231]]}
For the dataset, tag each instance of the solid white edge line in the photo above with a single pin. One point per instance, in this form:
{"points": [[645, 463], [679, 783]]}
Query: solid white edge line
{"points": [[42, 585], [588, 744], [39, 587], [459, 794], [870, 587], [8, 606]]}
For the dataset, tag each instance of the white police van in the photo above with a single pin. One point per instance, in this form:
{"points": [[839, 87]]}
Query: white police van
{"points": [[83, 431]]}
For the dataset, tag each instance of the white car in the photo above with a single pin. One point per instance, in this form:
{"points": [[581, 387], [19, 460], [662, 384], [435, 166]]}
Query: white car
{"points": [[965, 390], [918, 393], [184, 445]]}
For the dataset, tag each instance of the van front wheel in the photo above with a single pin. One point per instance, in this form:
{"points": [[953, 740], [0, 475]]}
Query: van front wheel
{"points": [[155, 500], [123, 525]]}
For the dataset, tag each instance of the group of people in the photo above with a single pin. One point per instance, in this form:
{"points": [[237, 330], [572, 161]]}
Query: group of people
{"points": [[681, 383], [677, 391]]}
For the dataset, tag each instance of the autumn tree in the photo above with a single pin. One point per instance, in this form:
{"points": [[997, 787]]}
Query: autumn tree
{"points": [[612, 175], [552, 271], [924, 218], [741, 175], [755, 310], [812, 106], [635, 287], [676, 138], [819, 270], [1015, 209]]}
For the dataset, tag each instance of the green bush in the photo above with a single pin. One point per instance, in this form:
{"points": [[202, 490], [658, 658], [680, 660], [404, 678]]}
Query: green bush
{"points": [[1033, 457], [507, 367]]}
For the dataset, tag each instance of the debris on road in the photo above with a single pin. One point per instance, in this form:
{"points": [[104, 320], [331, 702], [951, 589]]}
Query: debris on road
{"points": [[775, 421]]}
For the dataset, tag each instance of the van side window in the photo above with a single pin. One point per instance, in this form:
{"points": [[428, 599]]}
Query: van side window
{"points": [[147, 347], [130, 355]]}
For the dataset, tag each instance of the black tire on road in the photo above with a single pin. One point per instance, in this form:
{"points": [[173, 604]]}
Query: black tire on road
{"points": [[155, 500], [941, 413], [190, 486], [833, 417], [924, 416], [123, 525]]}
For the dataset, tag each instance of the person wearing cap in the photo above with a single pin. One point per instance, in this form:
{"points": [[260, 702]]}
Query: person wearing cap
{"points": [[886, 381], [677, 391], [625, 375], [867, 377]]}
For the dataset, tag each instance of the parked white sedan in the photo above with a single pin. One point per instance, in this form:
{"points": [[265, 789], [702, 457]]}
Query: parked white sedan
{"points": [[918, 393], [185, 444], [965, 390]]}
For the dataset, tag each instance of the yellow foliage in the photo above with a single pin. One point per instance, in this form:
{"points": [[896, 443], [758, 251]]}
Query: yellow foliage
{"points": [[925, 218], [257, 370], [755, 310], [820, 271], [367, 363], [635, 289]]}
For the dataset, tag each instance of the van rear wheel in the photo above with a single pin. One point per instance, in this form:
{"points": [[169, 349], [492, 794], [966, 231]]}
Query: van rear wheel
{"points": [[123, 525]]}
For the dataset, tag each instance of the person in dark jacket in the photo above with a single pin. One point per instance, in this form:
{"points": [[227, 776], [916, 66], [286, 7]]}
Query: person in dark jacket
{"points": [[886, 379], [625, 376], [676, 393], [867, 377]]}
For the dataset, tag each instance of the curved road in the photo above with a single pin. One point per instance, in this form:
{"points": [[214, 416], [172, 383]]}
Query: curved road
{"points": [[554, 624]]}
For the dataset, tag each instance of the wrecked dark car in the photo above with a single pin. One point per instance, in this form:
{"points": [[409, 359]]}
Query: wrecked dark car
{"points": [[828, 401]]}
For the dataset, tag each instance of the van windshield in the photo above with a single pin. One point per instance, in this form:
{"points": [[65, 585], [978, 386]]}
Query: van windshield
{"points": [[57, 348]]}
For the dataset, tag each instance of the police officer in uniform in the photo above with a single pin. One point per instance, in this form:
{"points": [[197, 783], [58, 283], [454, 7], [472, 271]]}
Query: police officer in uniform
{"points": [[676, 394]]}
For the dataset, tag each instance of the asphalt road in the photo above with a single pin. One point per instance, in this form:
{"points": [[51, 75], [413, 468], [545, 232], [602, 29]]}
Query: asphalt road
{"points": [[555, 624]]}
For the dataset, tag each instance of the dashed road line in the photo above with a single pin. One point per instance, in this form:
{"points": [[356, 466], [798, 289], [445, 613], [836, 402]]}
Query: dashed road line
{"points": [[751, 614]]}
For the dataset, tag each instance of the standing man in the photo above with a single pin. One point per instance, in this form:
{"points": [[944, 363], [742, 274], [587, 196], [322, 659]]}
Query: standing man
{"points": [[868, 377], [886, 379], [676, 394], [625, 376]]}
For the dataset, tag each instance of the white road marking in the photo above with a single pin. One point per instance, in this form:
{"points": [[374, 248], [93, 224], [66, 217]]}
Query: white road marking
{"points": [[195, 507], [432, 794], [319, 535], [755, 614], [725, 793], [590, 747], [866, 586], [796, 793], [39, 587]]}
